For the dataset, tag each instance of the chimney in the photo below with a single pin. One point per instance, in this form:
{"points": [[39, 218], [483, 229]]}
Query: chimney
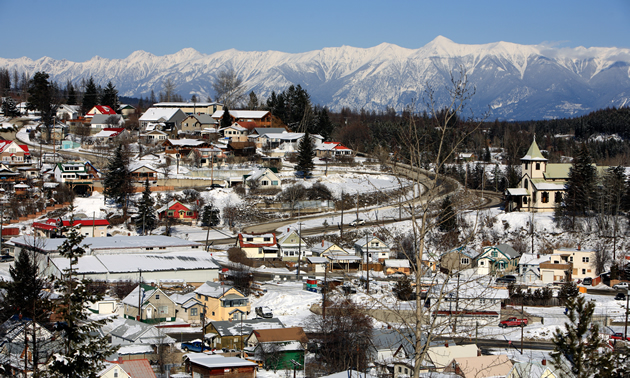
{"points": [[544, 362], [479, 353], [446, 344], [537, 256], [288, 228], [322, 242], [579, 247]]}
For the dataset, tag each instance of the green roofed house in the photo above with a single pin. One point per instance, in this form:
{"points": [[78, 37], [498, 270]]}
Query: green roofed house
{"points": [[542, 184]]}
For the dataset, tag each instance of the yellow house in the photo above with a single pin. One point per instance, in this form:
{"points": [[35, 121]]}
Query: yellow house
{"points": [[222, 302], [113, 370]]}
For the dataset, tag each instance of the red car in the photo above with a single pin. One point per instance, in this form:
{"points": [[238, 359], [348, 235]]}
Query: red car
{"points": [[513, 322], [618, 336]]}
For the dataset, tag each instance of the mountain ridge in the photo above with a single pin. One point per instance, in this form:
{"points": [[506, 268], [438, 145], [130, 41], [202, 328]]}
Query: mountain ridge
{"points": [[515, 81]]}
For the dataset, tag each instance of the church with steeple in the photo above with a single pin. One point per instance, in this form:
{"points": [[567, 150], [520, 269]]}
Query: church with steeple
{"points": [[542, 184]]}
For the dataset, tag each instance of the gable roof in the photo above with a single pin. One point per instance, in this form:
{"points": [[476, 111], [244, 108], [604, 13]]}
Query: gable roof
{"points": [[214, 289], [103, 109], [157, 114], [100, 119], [170, 204], [464, 250], [280, 334], [218, 361], [506, 249], [245, 244], [132, 298]]}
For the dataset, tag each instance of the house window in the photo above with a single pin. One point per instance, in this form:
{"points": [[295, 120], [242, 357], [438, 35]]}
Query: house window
{"points": [[524, 200], [526, 184], [206, 298], [583, 271], [545, 197], [267, 239], [249, 239], [495, 254], [482, 263], [169, 213], [585, 259], [157, 296], [189, 213], [265, 182], [538, 166], [400, 369], [193, 312], [115, 373], [465, 260], [526, 166], [558, 197], [163, 310], [274, 183], [149, 248]]}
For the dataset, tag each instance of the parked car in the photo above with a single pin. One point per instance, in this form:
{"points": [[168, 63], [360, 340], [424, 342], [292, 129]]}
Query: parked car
{"points": [[357, 222], [513, 322], [621, 286], [506, 279], [195, 346], [6, 258], [619, 336], [620, 297], [264, 312], [587, 281]]}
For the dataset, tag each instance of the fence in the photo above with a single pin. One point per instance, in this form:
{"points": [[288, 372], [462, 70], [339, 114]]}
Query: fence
{"points": [[535, 302]]}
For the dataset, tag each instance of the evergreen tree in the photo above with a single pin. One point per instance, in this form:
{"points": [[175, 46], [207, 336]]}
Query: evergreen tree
{"points": [[152, 99], [253, 101], [9, 109], [146, 219], [90, 97], [117, 180], [447, 220], [580, 343], [322, 125], [306, 154], [110, 97], [581, 184], [226, 120], [210, 216], [84, 349], [25, 291], [41, 97], [72, 94]]}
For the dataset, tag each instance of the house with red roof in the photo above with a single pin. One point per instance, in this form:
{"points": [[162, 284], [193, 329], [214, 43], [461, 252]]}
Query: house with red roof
{"points": [[332, 150], [177, 210], [13, 153], [258, 246], [87, 227], [100, 109]]}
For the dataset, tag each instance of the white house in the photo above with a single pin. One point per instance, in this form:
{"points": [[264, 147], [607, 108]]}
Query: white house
{"points": [[170, 117], [265, 178], [375, 248]]}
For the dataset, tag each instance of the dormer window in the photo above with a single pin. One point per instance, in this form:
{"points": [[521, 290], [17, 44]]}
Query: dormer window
{"points": [[526, 166]]}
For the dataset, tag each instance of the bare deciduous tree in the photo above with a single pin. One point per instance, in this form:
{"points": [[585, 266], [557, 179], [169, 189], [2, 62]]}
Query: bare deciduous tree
{"points": [[229, 88]]}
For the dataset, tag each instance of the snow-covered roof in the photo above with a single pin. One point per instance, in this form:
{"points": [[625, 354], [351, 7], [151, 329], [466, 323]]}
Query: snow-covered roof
{"points": [[213, 289], [132, 298], [548, 185], [257, 173], [218, 361], [132, 263], [159, 114], [517, 191], [253, 114], [317, 260], [185, 104], [115, 242], [532, 259], [226, 328], [397, 263], [186, 142], [534, 154]]}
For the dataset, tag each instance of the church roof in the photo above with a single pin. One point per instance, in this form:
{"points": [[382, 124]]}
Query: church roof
{"points": [[534, 153]]}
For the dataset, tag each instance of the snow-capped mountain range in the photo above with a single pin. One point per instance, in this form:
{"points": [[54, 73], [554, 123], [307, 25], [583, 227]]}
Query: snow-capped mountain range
{"points": [[516, 82]]}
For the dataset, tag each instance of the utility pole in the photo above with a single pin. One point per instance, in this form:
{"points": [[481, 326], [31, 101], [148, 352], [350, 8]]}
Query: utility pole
{"points": [[297, 272], [342, 206], [625, 332], [367, 258], [523, 326], [325, 289], [140, 296]]}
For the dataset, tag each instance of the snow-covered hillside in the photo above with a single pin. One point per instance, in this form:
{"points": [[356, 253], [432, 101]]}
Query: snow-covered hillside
{"points": [[515, 81]]}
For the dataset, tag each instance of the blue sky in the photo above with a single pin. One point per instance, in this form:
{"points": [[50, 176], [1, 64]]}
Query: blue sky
{"points": [[78, 30]]}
